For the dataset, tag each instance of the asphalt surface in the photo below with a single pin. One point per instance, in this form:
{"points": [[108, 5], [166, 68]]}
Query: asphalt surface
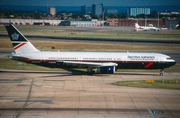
{"points": [[63, 95]]}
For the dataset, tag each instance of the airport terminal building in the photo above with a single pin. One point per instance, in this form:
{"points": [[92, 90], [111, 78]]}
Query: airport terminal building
{"points": [[163, 23], [30, 21], [83, 23], [130, 22]]}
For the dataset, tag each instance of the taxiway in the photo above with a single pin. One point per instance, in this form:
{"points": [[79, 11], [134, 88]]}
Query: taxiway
{"points": [[61, 94]]}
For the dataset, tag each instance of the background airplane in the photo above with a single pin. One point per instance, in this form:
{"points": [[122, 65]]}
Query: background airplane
{"points": [[94, 62], [145, 28]]}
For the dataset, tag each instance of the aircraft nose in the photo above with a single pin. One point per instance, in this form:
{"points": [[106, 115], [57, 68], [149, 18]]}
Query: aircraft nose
{"points": [[173, 63]]}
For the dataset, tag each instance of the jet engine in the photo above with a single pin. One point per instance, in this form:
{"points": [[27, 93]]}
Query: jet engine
{"points": [[105, 70]]}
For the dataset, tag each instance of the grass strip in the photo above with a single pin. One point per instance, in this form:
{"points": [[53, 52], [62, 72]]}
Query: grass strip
{"points": [[160, 84], [6, 63], [5, 44], [103, 33]]}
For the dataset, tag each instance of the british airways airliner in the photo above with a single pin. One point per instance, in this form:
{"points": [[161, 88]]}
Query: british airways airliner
{"points": [[94, 62]]}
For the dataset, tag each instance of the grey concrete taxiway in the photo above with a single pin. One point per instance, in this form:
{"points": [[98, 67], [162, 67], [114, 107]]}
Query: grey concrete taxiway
{"points": [[62, 95]]}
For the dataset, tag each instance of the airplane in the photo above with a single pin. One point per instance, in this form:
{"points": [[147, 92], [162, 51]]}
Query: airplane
{"points": [[94, 62], [144, 28]]}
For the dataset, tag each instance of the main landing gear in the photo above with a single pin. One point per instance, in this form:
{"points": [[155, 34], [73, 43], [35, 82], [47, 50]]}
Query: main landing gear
{"points": [[161, 72], [90, 71]]}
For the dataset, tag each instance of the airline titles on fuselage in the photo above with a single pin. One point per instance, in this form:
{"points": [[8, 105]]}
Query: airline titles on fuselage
{"points": [[141, 57]]}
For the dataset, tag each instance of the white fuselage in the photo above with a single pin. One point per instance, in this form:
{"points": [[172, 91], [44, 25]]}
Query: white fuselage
{"points": [[149, 28], [114, 57], [145, 28], [102, 62]]}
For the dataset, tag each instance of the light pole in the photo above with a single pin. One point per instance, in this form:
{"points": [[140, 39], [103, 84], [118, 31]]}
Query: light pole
{"points": [[158, 19], [103, 17], [145, 21]]}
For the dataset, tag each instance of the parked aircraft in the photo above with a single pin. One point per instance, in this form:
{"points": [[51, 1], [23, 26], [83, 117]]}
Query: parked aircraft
{"points": [[144, 28], [94, 62]]}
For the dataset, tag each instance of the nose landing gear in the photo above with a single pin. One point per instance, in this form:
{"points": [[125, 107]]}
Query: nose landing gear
{"points": [[161, 72]]}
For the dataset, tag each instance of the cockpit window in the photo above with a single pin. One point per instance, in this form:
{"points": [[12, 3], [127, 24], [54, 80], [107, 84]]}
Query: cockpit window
{"points": [[169, 58]]}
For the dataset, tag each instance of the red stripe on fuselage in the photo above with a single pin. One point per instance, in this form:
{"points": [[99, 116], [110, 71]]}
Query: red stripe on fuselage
{"points": [[18, 46], [101, 61], [149, 65], [32, 61]]}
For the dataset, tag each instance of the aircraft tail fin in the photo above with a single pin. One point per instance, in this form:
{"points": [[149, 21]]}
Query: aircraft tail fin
{"points": [[136, 25], [19, 41]]}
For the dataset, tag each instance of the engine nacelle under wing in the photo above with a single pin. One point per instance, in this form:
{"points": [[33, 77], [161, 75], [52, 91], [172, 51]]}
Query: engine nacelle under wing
{"points": [[105, 70]]}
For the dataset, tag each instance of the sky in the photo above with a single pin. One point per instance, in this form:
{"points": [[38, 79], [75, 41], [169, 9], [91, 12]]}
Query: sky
{"points": [[90, 2]]}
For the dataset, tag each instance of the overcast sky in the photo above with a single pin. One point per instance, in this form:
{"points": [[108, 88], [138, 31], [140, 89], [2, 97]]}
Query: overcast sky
{"points": [[90, 2]]}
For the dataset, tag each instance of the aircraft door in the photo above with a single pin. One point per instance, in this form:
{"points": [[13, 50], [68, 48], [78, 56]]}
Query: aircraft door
{"points": [[79, 59], [157, 60], [43, 58], [124, 60]]}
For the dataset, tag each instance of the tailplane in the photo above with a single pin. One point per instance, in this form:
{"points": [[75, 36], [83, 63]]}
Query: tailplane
{"points": [[19, 41], [136, 25]]}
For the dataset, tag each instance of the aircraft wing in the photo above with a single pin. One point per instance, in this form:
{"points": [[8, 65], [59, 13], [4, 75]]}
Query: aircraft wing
{"points": [[90, 64]]}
